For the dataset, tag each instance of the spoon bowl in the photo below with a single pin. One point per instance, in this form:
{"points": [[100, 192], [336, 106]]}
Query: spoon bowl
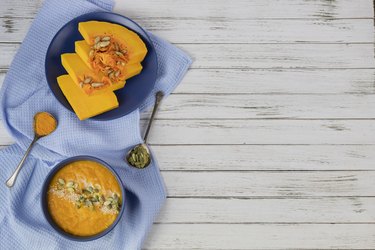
{"points": [[139, 156], [43, 125]]}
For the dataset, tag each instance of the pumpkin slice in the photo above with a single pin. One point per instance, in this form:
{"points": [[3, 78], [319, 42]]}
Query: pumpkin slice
{"points": [[128, 39], [83, 105], [88, 81], [129, 70]]}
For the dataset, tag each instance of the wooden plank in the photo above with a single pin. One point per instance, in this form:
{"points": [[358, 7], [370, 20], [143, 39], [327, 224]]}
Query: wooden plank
{"points": [[281, 55], [265, 157], [19, 8], [227, 31], [185, 106], [293, 81], [255, 132], [197, 236], [270, 184], [268, 56], [211, 9], [263, 132], [211, 211], [244, 9]]}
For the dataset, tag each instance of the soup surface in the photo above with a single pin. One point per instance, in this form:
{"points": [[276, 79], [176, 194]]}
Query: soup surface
{"points": [[84, 198]]}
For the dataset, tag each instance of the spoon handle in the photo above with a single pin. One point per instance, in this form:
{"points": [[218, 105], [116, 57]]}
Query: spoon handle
{"points": [[159, 95], [10, 182]]}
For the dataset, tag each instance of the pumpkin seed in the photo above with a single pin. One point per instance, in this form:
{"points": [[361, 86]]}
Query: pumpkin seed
{"points": [[119, 53], [88, 203], [97, 40], [106, 203], [87, 80], [71, 190], [111, 75], [91, 53], [78, 204], [104, 44], [85, 191], [123, 63], [106, 38], [97, 84], [81, 84], [115, 197], [61, 181], [70, 184], [116, 47], [117, 73]]}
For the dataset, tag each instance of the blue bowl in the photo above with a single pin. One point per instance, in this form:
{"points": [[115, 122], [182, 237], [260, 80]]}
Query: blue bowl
{"points": [[137, 88], [45, 205]]}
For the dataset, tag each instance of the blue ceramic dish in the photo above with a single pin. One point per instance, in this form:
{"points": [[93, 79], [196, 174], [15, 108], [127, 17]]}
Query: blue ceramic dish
{"points": [[137, 88], [45, 206]]}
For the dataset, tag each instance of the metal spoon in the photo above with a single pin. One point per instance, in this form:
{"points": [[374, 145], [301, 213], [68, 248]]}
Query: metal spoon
{"points": [[143, 146], [10, 182]]}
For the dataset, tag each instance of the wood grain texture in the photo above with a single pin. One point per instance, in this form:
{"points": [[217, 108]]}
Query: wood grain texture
{"points": [[268, 81], [232, 31], [265, 157], [294, 132], [194, 9], [268, 211], [270, 184], [242, 106], [220, 237], [263, 132], [269, 56], [285, 81], [244, 9]]}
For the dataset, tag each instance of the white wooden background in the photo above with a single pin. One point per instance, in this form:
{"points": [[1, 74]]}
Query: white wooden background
{"points": [[269, 142]]}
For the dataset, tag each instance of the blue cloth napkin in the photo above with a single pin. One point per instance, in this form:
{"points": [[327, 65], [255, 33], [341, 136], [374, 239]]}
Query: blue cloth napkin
{"points": [[25, 92]]}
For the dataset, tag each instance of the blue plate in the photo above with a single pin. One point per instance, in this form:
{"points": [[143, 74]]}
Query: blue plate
{"points": [[136, 88]]}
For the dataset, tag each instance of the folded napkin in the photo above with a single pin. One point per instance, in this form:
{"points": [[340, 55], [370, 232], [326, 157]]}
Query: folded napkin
{"points": [[25, 92]]}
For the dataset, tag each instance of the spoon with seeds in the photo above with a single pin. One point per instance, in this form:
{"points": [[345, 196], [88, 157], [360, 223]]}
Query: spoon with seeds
{"points": [[139, 156], [44, 124]]}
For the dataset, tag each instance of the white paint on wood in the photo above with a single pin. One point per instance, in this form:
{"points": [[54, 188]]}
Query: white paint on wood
{"points": [[265, 157], [263, 132], [267, 106], [281, 55], [268, 56], [196, 9], [244, 9], [255, 211], [293, 81], [220, 237], [255, 132], [290, 81], [270, 184], [233, 31]]}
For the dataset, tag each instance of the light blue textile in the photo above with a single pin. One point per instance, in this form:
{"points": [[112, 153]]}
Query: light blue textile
{"points": [[25, 92]]}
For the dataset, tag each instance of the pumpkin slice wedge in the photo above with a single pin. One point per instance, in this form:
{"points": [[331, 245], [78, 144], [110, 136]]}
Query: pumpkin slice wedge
{"points": [[83, 105], [89, 82], [128, 70], [130, 40]]}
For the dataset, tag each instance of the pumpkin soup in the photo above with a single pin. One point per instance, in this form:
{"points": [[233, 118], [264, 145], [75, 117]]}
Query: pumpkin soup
{"points": [[84, 198]]}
